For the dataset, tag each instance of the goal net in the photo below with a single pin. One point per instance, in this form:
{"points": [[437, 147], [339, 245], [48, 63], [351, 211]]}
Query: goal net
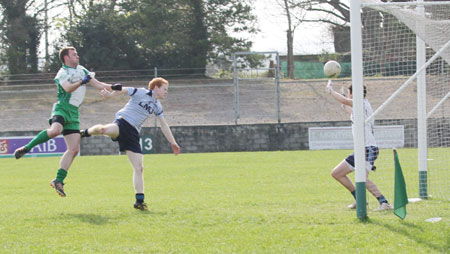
{"points": [[405, 50]]}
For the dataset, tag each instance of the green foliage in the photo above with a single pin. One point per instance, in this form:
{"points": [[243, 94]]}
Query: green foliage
{"points": [[248, 202], [327, 56], [223, 16], [102, 41], [142, 34], [223, 74], [172, 32], [21, 33]]}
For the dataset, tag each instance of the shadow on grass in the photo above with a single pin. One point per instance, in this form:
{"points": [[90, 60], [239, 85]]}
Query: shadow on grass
{"points": [[412, 232], [94, 219]]}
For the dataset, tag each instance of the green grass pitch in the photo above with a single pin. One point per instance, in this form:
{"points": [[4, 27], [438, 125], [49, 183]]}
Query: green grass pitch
{"points": [[247, 202]]}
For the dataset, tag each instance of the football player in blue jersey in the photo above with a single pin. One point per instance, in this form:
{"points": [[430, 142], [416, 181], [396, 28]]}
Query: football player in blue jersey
{"points": [[128, 122]]}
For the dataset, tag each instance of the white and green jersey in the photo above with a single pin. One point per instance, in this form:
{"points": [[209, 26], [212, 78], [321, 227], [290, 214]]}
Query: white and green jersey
{"points": [[72, 75]]}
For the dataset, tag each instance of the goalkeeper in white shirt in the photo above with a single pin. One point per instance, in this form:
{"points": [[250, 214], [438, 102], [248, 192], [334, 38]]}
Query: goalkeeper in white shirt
{"points": [[341, 171], [128, 123]]}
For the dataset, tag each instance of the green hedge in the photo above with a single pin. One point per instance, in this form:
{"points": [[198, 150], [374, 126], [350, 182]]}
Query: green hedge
{"points": [[313, 70]]}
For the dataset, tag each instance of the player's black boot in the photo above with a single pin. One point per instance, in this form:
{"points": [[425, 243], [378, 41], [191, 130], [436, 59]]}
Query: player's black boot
{"points": [[84, 133], [21, 151], [140, 206], [58, 186]]}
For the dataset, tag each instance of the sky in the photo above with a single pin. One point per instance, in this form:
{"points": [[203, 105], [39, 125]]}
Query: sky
{"points": [[309, 38]]}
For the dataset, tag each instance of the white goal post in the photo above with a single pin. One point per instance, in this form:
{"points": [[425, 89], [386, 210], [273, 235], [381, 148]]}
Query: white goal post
{"points": [[408, 44]]}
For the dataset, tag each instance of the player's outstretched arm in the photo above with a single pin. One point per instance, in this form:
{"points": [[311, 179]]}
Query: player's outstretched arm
{"points": [[337, 96], [168, 134], [108, 94], [99, 85]]}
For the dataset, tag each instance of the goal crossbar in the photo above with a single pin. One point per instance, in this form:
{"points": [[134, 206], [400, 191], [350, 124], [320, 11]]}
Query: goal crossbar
{"points": [[377, 3]]}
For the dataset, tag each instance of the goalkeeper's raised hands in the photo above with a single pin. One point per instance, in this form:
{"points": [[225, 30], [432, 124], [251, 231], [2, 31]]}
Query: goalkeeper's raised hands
{"points": [[330, 86]]}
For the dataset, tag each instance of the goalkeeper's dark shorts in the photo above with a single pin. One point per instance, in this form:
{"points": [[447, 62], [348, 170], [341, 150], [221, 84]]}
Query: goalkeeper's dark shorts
{"points": [[128, 137], [371, 156]]}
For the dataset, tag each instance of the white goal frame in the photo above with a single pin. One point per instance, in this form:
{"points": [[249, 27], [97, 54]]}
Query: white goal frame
{"points": [[357, 80]]}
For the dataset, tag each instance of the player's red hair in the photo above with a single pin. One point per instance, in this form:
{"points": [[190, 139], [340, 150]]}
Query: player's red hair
{"points": [[157, 82]]}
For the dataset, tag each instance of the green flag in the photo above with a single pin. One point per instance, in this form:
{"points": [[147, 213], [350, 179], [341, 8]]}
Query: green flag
{"points": [[400, 196]]}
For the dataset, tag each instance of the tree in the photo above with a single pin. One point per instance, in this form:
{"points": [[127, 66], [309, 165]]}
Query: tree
{"points": [[22, 27], [288, 8], [294, 11], [172, 33], [21, 35], [194, 32], [337, 14], [139, 34], [222, 17], [333, 12], [2, 44]]}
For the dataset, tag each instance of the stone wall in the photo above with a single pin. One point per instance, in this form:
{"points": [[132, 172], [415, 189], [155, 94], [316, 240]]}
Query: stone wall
{"points": [[225, 138], [231, 138]]}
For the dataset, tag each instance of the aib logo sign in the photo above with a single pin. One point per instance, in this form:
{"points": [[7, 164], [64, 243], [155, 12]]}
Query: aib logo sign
{"points": [[53, 147], [4, 146]]}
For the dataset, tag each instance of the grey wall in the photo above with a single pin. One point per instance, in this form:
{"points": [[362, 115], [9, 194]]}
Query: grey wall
{"points": [[230, 138], [227, 138]]}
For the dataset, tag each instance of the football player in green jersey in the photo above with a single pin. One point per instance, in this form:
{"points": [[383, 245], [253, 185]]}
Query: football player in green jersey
{"points": [[71, 82]]}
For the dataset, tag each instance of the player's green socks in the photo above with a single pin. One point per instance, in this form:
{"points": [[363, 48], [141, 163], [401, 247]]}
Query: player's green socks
{"points": [[61, 175], [353, 194], [39, 139]]}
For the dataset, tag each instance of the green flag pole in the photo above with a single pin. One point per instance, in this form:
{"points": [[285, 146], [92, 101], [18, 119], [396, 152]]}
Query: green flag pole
{"points": [[400, 195]]}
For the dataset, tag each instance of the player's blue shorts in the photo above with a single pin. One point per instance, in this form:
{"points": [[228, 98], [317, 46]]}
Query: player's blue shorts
{"points": [[128, 137], [371, 156]]}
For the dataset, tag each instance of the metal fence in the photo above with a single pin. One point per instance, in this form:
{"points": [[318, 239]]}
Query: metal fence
{"points": [[192, 100]]}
